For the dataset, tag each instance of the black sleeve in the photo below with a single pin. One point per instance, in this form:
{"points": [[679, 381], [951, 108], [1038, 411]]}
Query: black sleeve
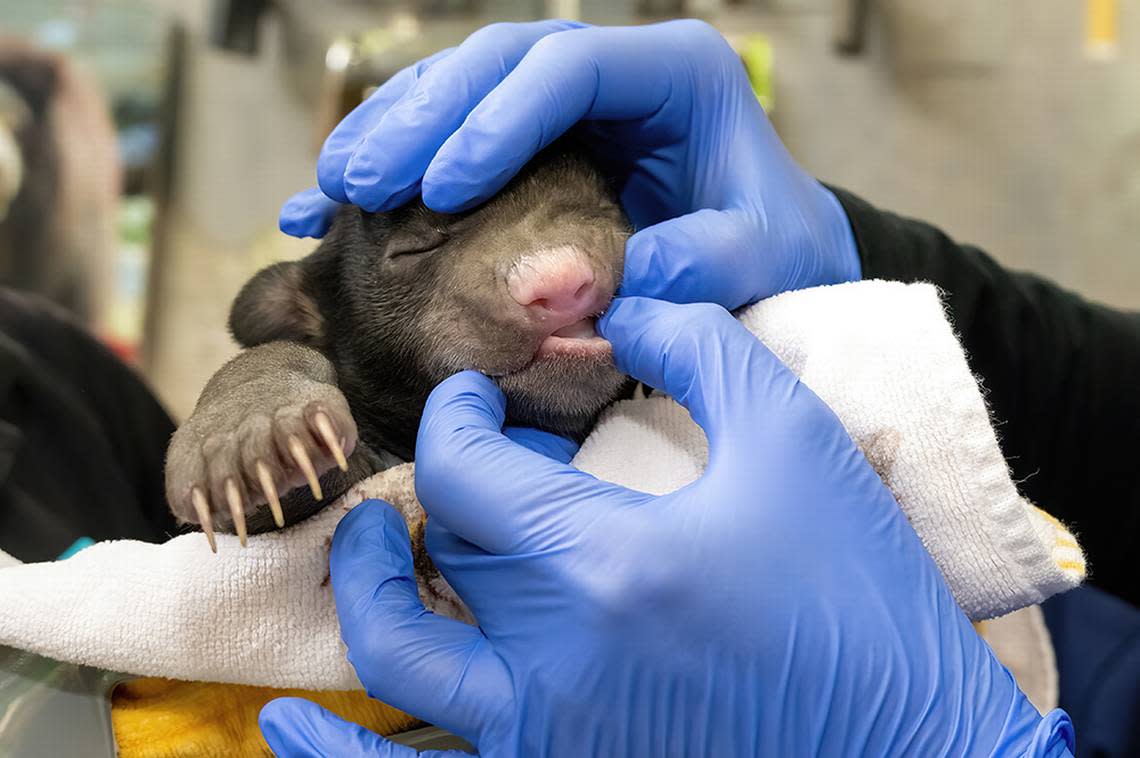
{"points": [[1061, 375]]}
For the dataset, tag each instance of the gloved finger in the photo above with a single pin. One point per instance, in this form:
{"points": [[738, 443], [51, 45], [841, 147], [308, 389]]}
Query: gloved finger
{"points": [[340, 145], [591, 73], [436, 668], [707, 361], [386, 166], [308, 214], [553, 446], [488, 490], [298, 728], [711, 256]]}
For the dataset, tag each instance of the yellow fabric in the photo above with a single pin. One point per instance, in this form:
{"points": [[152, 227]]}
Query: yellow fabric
{"points": [[163, 718], [1067, 554]]}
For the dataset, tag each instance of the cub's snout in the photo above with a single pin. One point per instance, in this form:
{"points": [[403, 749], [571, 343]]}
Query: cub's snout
{"points": [[562, 291], [559, 285]]}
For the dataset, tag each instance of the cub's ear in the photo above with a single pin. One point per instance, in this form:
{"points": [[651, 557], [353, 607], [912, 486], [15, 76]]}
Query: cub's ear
{"points": [[276, 305]]}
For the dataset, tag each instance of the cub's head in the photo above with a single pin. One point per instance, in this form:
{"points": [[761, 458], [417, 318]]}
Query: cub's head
{"points": [[512, 288]]}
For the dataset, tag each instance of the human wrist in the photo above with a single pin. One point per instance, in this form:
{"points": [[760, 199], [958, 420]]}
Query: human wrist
{"points": [[838, 242]]}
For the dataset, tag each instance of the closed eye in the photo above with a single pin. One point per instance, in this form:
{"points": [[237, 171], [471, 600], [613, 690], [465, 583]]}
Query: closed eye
{"points": [[419, 241]]}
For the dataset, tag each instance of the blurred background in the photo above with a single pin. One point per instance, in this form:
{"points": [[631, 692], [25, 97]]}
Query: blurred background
{"points": [[147, 145]]}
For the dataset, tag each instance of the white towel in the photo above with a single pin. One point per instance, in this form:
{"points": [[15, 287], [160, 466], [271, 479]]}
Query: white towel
{"points": [[881, 354]]}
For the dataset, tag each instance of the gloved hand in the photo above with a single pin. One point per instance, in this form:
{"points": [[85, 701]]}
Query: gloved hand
{"points": [[723, 213], [780, 605]]}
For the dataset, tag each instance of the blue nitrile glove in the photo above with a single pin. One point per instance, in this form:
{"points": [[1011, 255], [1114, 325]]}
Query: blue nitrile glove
{"points": [[780, 605], [723, 212]]}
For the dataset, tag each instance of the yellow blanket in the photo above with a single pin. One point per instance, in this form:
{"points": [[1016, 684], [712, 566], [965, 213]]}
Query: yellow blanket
{"points": [[163, 718]]}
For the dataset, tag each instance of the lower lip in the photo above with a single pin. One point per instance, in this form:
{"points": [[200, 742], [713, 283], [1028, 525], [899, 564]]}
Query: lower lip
{"points": [[573, 347]]}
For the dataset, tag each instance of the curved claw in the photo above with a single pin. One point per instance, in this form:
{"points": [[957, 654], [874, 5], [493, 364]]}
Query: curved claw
{"points": [[328, 434], [202, 508], [233, 497], [301, 458], [270, 490]]}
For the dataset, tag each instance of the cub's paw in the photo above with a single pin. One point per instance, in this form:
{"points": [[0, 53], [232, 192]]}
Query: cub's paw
{"points": [[252, 446]]}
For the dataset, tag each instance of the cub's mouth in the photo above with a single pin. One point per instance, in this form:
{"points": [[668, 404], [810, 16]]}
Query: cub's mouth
{"points": [[576, 346], [577, 340]]}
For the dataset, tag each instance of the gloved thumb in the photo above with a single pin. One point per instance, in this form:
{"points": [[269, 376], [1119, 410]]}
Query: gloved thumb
{"points": [[434, 667], [296, 727], [711, 256]]}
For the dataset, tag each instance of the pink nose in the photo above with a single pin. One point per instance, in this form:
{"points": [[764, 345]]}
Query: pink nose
{"points": [[558, 284]]}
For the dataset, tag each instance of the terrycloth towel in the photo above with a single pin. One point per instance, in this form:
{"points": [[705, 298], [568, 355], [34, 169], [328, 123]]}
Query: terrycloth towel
{"points": [[881, 354]]}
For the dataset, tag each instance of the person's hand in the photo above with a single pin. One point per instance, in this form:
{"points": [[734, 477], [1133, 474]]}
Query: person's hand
{"points": [[723, 213], [779, 605]]}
